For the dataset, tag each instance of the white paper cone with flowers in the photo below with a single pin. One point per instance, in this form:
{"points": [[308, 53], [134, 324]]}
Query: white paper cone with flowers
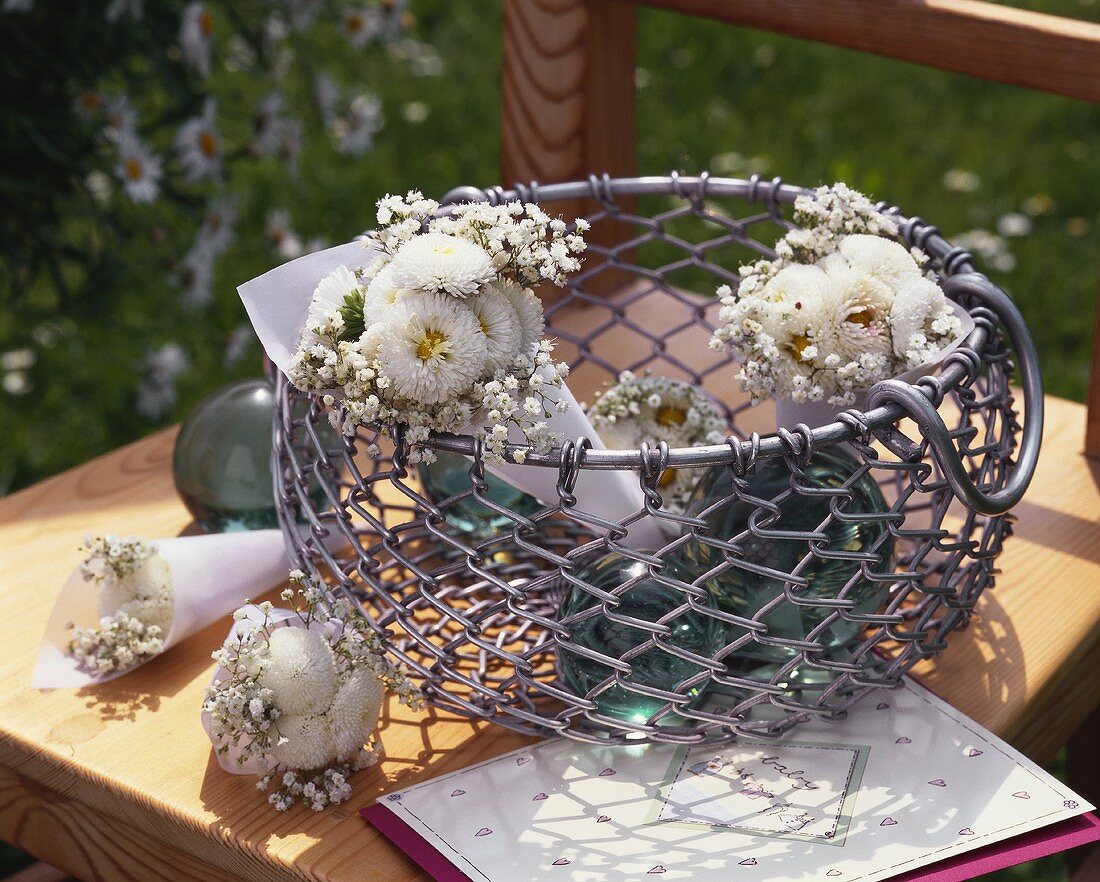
{"points": [[132, 600], [430, 322], [297, 695], [842, 306]]}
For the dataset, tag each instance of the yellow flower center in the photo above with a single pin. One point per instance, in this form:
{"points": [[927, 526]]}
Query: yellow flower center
{"points": [[206, 23], [667, 478], [670, 416], [433, 343], [90, 101], [799, 343], [354, 23], [862, 317], [208, 143], [132, 169]]}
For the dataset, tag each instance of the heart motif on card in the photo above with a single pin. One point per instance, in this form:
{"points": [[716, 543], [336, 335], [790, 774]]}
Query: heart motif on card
{"points": [[938, 782], [966, 831], [888, 822], [561, 862], [747, 862], [458, 792], [522, 760], [484, 831], [904, 740], [1022, 794], [538, 796], [603, 819], [607, 772], [973, 752], [656, 871], [882, 705]]}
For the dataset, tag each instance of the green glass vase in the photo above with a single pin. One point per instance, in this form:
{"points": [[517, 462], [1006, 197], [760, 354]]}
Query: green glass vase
{"points": [[647, 601], [222, 459], [744, 592], [449, 476]]}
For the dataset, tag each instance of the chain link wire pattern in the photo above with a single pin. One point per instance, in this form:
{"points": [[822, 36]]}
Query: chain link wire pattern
{"points": [[476, 619]]}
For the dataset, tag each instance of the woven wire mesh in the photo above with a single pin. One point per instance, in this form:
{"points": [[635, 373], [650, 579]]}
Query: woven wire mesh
{"points": [[478, 619]]}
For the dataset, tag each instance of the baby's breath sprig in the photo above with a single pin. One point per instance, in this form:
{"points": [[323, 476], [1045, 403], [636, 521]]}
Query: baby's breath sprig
{"points": [[121, 555]]}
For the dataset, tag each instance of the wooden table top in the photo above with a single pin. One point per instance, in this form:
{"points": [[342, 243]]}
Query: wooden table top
{"points": [[119, 782]]}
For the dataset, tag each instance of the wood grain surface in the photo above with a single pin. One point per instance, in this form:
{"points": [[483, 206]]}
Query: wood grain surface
{"points": [[987, 40], [118, 781]]}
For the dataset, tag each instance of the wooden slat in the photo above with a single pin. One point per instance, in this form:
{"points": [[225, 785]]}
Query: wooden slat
{"points": [[1092, 424], [39, 872], [987, 40]]}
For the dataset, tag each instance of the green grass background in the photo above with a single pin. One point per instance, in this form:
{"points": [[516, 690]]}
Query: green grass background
{"points": [[733, 100]]}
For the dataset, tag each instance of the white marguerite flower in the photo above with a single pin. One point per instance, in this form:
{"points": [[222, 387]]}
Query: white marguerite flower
{"points": [[798, 312], [308, 740], [218, 221], [356, 129], [300, 671], [329, 295], [116, 9], [381, 294], [528, 309], [501, 326], [922, 322], [360, 24], [138, 167], [196, 30], [441, 262], [431, 348], [118, 116], [884, 259], [196, 273], [354, 712], [199, 146]]}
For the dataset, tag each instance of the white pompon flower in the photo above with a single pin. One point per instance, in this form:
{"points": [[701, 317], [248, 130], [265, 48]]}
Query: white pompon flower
{"points": [[150, 580], [381, 294], [432, 348], [922, 322], [300, 671], [528, 309], [329, 296], [441, 262], [138, 167], [883, 259], [354, 712], [196, 30], [501, 326], [308, 740], [862, 313], [199, 145]]}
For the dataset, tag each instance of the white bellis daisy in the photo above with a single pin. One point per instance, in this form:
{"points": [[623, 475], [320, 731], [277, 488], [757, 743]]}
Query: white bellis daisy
{"points": [[300, 671], [441, 262], [354, 713]]}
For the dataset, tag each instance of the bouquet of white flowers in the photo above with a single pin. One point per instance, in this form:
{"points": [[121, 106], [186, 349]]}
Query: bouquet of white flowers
{"points": [[441, 330], [297, 694], [842, 306]]}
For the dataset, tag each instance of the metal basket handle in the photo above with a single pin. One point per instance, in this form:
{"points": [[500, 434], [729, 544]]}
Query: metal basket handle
{"points": [[917, 404]]}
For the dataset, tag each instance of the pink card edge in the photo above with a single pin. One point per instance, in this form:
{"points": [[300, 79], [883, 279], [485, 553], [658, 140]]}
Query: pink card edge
{"points": [[1030, 846], [418, 849]]}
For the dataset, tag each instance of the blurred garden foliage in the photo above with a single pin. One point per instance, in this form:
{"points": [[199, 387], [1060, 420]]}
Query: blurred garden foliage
{"points": [[116, 314]]}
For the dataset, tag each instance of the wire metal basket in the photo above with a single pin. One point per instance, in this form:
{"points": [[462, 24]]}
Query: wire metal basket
{"points": [[482, 620]]}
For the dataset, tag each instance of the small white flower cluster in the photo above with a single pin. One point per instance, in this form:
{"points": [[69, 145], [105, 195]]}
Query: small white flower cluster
{"points": [[654, 409], [300, 699], [134, 601], [842, 306], [442, 330]]}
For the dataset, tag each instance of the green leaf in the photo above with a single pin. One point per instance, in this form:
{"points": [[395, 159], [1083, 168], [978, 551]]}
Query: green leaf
{"points": [[352, 314]]}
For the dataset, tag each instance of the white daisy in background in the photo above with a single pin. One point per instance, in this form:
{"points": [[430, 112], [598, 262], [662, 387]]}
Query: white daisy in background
{"points": [[196, 32], [196, 273], [88, 105], [528, 307], [354, 713], [431, 347], [441, 262], [240, 341], [290, 141], [218, 222], [199, 145], [138, 168], [326, 94], [329, 296], [17, 6], [157, 390], [501, 326], [1014, 224], [356, 129], [134, 9], [281, 234], [267, 124], [118, 116], [300, 672], [305, 740], [360, 24]]}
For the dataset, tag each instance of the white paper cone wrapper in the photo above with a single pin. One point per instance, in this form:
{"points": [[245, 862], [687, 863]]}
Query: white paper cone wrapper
{"points": [[212, 575], [278, 303], [816, 414], [229, 760]]}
